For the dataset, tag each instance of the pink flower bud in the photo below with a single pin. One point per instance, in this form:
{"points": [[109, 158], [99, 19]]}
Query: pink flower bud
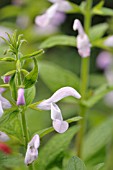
{"points": [[20, 99], [6, 79]]}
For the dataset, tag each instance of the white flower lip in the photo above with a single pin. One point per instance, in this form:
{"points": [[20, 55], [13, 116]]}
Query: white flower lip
{"points": [[3, 137], [83, 43], [32, 150], [58, 124]]}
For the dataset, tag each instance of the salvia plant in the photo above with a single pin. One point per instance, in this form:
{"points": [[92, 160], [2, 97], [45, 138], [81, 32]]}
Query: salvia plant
{"points": [[21, 84]]}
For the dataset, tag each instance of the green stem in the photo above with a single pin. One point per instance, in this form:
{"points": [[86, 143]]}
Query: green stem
{"points": [[82, 122], [24, 127], [84, 76], [25, 132], [84, 82]]}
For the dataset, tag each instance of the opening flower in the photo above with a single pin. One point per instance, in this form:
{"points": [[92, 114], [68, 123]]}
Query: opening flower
{"points": [[20, 99], [50, 104], [83, 43], [4, 103], [32, 150]]}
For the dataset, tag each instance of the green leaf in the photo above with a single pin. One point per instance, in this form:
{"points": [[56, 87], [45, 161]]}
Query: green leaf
{"points": [[34, 54], [8, 59], [97, 95], [56, 77], [76, 163], [54, 150], [96, 80], [10, 124], [10, 161], [46, 131], [103, 11], [75, 8], [31, 78], [98, 31], [29, 94], [9, 11], [98, 6], [13, 87], [59, 40], [97, 138], [9, 73]]}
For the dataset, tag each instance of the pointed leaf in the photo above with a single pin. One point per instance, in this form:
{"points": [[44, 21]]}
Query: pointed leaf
{"points": [[98, 31], [59, 40], [31, 78], [10, 124], [46, 131], [97, 138], [97, 95], [35, 54], [103, 11], [8, 59]]}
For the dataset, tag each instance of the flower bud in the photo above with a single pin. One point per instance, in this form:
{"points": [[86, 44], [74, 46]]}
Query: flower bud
{"points": [[20, 99], [5, 148], [6, 79]]}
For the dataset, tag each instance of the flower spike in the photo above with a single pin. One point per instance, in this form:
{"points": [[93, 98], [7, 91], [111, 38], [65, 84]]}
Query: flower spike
{"points": [[83, 43], [32, 150]]}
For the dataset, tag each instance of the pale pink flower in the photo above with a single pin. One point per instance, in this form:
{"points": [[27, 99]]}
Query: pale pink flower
{"points": [[32, 150], [83, 43], [48, 17], [20, 98], [50, 104]]}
